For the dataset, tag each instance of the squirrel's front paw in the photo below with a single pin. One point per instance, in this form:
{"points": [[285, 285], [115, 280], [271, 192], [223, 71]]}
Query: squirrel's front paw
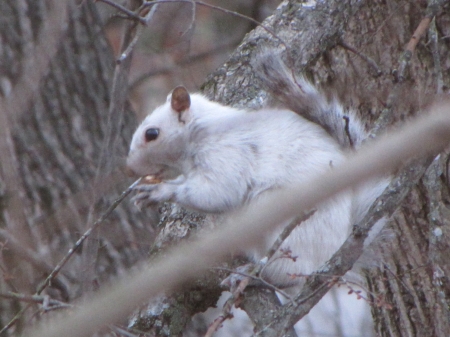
{"points": [[150, 194]]}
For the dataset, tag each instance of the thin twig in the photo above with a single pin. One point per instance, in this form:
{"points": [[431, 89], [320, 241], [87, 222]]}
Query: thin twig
{"points": [[130, 46], [77, 244], [226, 11], [376, 300], [384, 206], [15, 319], [107, 162], [366, 58], [124, 10], [137, 35], [418, 33], [255, 274], [185, 61], [256, 278], [226, 311], [287, 231], [192, 23], [386, 116], [425, 134], [144, 20], [71, 251], [433, 8], [35, 299], [433, 36], [410, 48], [24, 252]]}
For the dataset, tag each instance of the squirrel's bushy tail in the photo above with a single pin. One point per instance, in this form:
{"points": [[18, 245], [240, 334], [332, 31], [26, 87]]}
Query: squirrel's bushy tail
{"points": [[302, 97]]}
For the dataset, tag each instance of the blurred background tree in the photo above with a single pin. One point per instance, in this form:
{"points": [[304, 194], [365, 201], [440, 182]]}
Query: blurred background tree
{"points": [[68, 111]]}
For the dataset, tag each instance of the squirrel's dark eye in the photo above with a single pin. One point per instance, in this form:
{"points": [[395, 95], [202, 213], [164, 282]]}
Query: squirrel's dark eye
{"points": [[151, 134]]}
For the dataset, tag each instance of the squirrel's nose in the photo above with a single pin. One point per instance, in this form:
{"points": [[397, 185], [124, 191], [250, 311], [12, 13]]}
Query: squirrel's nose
{"points": [[129, 172], [125, 167]]}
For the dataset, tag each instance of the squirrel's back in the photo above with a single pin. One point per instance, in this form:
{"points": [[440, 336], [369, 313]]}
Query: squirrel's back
{"points": [[268, 148]]}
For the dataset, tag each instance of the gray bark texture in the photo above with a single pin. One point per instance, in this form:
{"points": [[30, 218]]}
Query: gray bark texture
{"points": [[66, 127], [358, 51], [57, 174]]}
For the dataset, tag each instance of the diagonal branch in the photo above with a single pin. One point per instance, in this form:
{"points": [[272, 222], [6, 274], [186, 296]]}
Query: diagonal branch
{"points": [[186, 261], [80, 241], [351, 250]]}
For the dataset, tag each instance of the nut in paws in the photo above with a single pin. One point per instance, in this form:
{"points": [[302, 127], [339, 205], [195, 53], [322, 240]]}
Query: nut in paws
{"points": [[146, 195]]}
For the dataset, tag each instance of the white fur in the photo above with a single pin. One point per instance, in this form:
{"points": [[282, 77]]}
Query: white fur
{"points": [[228, 157], [225, 158]]}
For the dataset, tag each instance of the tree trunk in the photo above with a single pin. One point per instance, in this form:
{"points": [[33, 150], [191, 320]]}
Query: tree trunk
{"points": [[357, 50], [57, 76], [59, 153], [414, 282]]}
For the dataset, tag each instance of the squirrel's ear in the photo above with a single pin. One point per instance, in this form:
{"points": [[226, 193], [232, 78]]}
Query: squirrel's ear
{"points": [[180, 100]]}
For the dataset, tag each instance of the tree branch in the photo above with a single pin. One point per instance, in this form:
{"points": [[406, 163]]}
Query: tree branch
{"points": [[186, 261]]}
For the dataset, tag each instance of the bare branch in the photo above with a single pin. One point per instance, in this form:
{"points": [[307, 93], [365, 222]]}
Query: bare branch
{"points": [[433, 36], [77, 244], [409, 51], [185, 61], [36, 299], [124, 10], [366, 58], [51, 277], [186, 261], [298, 220], [351, 250], [137, 34], [226, 11], [255, 274], [107, 160], [192, 23], [26, 253], [14, 320], [433, 8], [14, 103]]}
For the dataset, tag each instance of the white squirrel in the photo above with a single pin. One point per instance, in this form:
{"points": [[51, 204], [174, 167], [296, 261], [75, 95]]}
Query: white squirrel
{"points": [[223, 158]]}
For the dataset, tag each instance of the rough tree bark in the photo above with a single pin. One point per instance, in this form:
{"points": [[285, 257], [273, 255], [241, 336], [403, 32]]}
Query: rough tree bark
{"points": [[55, 128], [56, 72], [331, 43]]}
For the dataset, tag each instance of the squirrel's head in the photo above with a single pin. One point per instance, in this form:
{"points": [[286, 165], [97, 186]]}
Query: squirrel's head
{"points": [[160, 140]]}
